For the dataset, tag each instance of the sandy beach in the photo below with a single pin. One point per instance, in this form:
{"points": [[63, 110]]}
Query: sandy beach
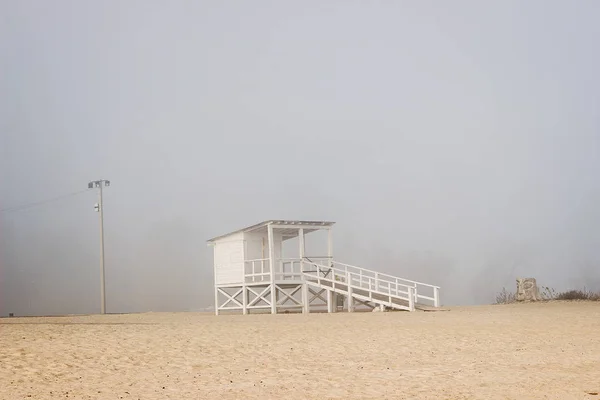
{"points": [[525, 351]]}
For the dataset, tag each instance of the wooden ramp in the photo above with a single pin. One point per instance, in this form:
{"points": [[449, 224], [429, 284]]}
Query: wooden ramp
{"points": [[370, 287]]}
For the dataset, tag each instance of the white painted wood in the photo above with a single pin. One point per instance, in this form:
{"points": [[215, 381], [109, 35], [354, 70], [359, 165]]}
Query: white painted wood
{"points": [[350, 299], [230, 298], [288, 296], [257, 246], [272, 264], [318, 295], [364, 302], [301, 243], [306, 227], [301, 248], [386, 276], [229, 260], [279, 255], [389, 293], [360, 278], [260, 296], [216, 301], [305, 299], [249, 262], [330, 243], [313, 225]]}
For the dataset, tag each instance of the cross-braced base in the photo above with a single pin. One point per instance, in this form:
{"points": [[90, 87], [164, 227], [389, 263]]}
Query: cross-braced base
{"points": [[273, 297], [284, 297]]}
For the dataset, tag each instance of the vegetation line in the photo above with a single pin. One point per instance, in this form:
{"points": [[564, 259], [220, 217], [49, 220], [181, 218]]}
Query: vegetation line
{"points": [[548, 294]]}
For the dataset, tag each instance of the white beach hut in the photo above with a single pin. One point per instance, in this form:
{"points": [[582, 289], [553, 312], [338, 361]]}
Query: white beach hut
{"points": [[252, 274]]}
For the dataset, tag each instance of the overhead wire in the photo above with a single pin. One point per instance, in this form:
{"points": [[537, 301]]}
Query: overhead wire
{"points": [[41, 202]]}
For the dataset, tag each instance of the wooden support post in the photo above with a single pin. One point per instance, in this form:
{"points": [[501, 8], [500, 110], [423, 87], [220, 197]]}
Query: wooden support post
{"points": [[272, 269], [216, 290], [436, 297], [411, 298], [350, 300], [330, 244], [262, 266], [305, 299], [329, 301], [216, 300], [301, 250], [334, 301], [360, 278], [244, 300], [280, 261]]}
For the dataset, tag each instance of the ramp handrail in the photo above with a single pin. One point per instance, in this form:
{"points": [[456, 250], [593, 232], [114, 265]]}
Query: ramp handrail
{"points": [[384, 281], [336, 277], [385, 275]]}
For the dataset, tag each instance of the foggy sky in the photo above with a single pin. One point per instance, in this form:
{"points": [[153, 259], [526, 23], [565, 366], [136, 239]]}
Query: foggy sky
{"points": [[454, 142]]}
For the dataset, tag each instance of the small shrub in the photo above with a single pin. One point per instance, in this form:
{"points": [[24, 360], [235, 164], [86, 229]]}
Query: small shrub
{"points": [[572, 295], [505, 297], [578, 295], [547, 293]]}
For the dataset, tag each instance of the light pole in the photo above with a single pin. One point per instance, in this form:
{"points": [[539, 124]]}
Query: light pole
{"points": [[100, 208]]}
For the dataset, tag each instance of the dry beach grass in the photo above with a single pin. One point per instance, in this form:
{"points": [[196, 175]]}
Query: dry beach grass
{"points": [[520, 351]]}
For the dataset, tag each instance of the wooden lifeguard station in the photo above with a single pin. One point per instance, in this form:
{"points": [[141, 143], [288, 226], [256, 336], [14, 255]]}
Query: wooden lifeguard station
{"points": [[250, 273]]}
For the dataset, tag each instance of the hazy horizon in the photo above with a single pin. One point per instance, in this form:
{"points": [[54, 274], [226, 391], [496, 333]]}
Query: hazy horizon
{"points": [[456, 143]]}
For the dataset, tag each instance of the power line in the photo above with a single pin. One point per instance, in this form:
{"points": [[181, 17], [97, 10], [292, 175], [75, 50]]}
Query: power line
{"points": [[41, 202]]}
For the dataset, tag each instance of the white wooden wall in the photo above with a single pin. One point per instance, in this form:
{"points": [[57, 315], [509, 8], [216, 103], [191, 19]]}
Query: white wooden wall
{"points": [[231, 251], [229, 259]]}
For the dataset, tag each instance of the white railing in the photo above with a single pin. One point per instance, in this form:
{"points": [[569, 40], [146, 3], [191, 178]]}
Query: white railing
{"points": [[289, 269], [365, 279], [359, 278], [285, 269], [359, 286], [257, 270], [422, 291]]}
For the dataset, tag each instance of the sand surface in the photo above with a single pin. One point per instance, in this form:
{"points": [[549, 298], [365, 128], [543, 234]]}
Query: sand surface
{"points": [[537, 351]]}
